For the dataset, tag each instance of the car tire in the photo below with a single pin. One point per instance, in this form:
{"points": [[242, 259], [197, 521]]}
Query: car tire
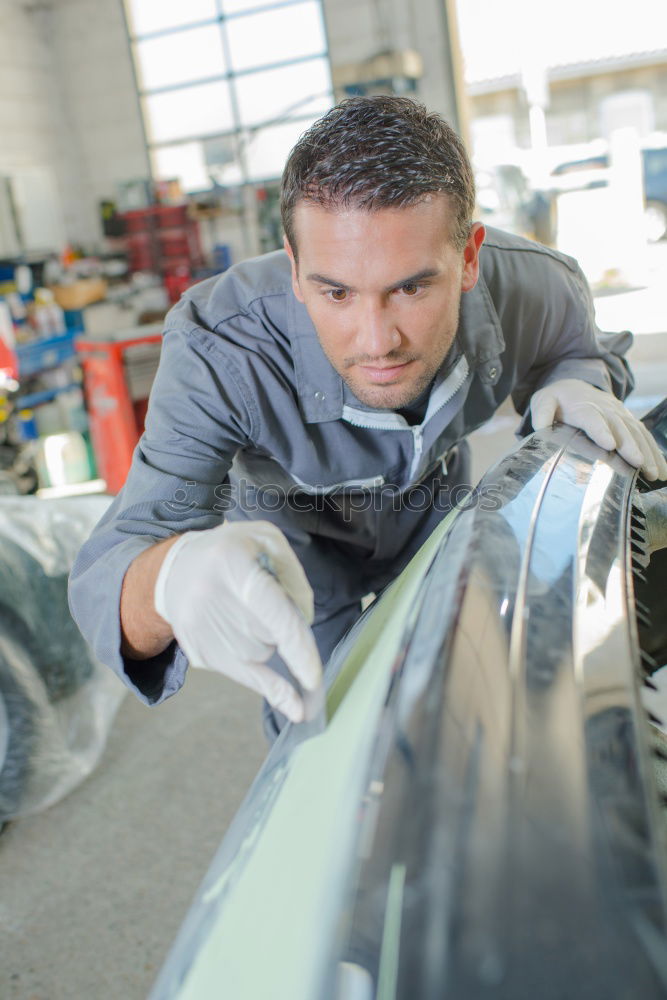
{"points": [[17, 737]]}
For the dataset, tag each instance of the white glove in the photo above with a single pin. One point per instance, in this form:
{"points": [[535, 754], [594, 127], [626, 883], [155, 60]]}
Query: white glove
{"points": [[233, 595], [604, 418]]}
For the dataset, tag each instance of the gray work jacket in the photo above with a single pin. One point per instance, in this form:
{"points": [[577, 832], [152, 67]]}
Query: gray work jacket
{"points": [[245, 398]]}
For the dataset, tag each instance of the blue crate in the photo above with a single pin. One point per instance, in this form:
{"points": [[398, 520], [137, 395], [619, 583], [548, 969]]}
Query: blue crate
{"points": [[34, 399], [40, 355]]}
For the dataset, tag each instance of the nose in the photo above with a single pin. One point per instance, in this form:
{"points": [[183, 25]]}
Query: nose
{"points": [[377, 334]]}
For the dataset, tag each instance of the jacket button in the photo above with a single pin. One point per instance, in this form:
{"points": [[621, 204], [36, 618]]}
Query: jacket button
{"points": [[493, 372], [320, 396]]}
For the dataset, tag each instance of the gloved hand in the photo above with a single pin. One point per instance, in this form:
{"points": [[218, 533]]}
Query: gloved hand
{"points": [[233, 595], [603, 417]]}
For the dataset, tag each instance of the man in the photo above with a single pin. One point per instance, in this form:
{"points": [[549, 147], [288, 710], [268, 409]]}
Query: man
{"points": [[306, 397]]}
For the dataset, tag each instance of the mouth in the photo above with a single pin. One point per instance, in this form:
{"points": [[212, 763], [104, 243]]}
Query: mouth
{"points": [[384, 373]]}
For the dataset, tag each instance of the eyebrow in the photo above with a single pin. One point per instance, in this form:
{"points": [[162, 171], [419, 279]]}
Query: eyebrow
{"points": [[321, 279]]}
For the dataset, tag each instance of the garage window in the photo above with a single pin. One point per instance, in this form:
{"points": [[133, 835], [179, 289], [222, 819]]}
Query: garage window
{"points": [[227, 86]]}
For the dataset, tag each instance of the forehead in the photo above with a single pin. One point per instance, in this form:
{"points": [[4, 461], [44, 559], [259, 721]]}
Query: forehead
{"points": [[420, 229]]}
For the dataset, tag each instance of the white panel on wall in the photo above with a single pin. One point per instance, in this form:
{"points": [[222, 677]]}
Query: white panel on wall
{"points": [[9, 242], [38, 208]]}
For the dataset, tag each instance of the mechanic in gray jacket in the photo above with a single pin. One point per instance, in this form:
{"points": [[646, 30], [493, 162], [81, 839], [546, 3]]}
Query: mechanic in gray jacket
{"points": [[307, 423]]}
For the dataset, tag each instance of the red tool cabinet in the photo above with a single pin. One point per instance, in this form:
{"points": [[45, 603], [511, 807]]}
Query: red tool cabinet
{"points": [[117, 375], [165, 240]]}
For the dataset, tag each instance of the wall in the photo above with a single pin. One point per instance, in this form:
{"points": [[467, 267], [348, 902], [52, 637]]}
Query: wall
{"points": [[29, 118], [69, 64], [574, 112], [71, 112], [93, 68], [360, 29]]}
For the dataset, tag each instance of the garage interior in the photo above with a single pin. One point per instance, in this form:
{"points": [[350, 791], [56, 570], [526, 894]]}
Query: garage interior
{"points": [[141, 151]]}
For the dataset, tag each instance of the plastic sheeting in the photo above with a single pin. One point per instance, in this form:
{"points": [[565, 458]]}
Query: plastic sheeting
{"points": [[57, 702]]}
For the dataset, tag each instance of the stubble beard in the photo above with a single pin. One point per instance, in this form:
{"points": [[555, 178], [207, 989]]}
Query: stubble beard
{"points": [[391, 397], [396, 397]]}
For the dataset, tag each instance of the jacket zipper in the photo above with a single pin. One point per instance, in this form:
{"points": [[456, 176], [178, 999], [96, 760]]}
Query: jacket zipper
{"points": [[458, 382], [360, 418]]}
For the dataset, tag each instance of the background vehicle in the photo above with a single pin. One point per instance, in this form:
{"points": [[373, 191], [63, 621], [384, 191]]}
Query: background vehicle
{"points": [[506, 200], [593, 171]]}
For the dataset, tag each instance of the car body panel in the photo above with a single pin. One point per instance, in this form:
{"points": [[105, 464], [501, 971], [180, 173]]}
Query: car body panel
{"points": [[479, 818], [270, 877]]}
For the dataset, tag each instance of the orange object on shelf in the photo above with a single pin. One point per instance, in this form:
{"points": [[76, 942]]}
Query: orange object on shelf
{"points": [[116, 407], [80, 293]]}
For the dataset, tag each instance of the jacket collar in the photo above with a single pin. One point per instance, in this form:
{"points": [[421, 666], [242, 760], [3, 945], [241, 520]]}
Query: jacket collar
{"points": [[321, 389], [480, 333]]}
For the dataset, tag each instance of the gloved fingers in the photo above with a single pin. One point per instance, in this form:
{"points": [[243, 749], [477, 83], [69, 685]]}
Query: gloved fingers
{"points": [[279, 617], [299, 651], [627, 443], [662, 465], [278, 692], [223, 640], [651, 444], [282, 562], [637, 446], [604, 419], [221, 629], [246, 664], [653, 464], [543, 408], [624, 433], [588, 417], [255, 675], [261, 545]]}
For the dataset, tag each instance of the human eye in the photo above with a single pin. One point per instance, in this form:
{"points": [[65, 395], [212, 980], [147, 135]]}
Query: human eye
{"points": [[411, 288], [336, 294]]}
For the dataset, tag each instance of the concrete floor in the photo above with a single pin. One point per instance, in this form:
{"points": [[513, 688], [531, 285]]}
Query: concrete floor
{"points": [[95, 888]]}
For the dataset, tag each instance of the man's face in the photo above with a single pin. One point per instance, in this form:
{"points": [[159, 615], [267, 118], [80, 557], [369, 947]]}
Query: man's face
{"points": [[383, 290]]}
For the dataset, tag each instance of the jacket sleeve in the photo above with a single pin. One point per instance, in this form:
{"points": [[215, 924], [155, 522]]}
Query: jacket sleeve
{"points": [[198, 418], [559, 337]]}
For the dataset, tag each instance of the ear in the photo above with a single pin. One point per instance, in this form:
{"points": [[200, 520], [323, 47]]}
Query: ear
{"points": [[295, 271], [471, 256]]}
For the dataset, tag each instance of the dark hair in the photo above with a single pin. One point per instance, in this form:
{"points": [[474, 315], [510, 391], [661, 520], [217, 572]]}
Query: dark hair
{"points": [[377, 152]]}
